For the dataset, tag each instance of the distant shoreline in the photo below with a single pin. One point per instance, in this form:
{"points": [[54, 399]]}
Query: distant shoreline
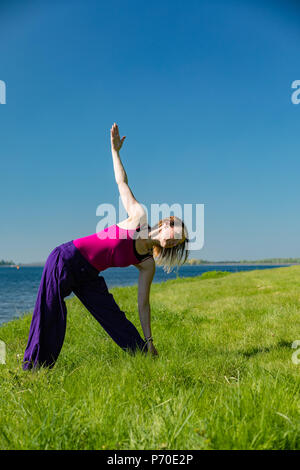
{"points": [[22, 265], [185, 265]]}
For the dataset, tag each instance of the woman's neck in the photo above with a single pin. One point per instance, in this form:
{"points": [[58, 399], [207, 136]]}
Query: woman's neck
{"points": [[146, 244]]}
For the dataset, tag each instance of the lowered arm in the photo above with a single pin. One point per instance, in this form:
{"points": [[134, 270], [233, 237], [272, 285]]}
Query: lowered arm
{"points": [[147, 271]]}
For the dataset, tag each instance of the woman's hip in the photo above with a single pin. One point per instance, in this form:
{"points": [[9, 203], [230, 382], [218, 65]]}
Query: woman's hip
{"points": [[75, 264]]}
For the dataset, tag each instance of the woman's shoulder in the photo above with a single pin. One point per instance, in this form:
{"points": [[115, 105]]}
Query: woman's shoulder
{"points": [[133, 223]]}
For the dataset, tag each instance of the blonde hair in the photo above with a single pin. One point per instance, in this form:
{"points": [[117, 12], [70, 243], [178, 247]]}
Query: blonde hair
{"points": [[174, 256]]}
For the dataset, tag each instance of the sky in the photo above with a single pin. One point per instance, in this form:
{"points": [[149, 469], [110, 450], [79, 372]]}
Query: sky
{"points": [[202, 91]]}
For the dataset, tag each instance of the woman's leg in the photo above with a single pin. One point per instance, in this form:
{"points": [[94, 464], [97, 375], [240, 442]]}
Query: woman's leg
{"points": [[48, 324], [100, 303]]}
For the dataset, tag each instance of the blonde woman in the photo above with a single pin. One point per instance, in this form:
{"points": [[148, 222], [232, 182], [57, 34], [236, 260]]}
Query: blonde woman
{"points": [[75, 266]]}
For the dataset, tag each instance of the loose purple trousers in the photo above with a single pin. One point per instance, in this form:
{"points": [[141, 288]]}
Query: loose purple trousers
{"points": [[67, 271]]}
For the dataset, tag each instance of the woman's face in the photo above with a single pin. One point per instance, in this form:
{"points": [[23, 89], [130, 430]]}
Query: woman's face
{"points": [[171, 235]]}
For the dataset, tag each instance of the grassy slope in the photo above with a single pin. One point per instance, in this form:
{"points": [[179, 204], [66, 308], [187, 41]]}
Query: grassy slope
{"points": [[224, 378]]}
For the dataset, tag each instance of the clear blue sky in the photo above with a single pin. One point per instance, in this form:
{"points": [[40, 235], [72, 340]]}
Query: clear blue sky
{"points": [[201, 89]]}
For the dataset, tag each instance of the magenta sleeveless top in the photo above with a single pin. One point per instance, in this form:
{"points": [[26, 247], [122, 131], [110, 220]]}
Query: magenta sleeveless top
{"points": [[112, 247]]}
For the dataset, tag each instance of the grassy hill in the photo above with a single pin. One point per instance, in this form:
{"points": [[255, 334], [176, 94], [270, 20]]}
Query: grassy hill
{"points": [[224, 378]]}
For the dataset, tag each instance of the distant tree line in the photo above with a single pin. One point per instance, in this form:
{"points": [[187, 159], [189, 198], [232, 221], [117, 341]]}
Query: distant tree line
{"points": [[6, 263], [194, 261]]}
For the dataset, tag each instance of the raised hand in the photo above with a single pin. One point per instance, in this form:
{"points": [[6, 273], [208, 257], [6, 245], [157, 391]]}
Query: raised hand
{"points": [[116, 142]]}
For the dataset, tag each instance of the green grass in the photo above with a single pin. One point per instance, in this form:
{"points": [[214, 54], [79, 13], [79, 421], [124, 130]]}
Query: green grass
{"points": [[224, 378]]}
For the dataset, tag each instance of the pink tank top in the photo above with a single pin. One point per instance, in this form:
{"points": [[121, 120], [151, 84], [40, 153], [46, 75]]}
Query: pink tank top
{"points": [[112, 247]]}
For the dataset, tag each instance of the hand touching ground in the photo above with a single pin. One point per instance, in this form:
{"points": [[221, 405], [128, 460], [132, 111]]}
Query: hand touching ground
{"points": [[151, 349]]}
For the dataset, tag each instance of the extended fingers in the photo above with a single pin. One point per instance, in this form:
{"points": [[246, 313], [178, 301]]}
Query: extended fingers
{"points": [[115, 134], [115, 129]]}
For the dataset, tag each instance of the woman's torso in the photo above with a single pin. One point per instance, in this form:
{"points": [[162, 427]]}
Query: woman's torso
{"points": [[113, 246]]}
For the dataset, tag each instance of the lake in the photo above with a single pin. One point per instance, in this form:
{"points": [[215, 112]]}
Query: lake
{"points": [[18, 288]]}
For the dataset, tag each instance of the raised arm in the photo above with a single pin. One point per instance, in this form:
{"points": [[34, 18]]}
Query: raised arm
{"points": [[132, 206]]}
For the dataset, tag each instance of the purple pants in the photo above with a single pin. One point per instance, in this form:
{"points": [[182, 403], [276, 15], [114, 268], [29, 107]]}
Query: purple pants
{"points": [[67, 271]]}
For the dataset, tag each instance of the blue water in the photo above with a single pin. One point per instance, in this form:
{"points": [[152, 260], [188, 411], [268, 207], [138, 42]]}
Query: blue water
{"points": [[18, 288]]}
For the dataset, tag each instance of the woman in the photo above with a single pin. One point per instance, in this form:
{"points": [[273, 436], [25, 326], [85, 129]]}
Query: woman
{"points": [[75, 266]]}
